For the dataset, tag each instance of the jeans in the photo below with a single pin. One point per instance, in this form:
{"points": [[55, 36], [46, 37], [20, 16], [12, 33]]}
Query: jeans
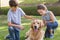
{"points": [[13, 33], [50, 26]]}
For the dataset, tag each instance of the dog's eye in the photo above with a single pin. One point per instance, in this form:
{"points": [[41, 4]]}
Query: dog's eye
{"points": [[37, 23], [33, 23]]}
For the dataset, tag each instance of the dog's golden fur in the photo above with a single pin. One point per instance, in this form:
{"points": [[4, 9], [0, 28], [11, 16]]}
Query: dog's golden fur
{"points": [[35, 35]]}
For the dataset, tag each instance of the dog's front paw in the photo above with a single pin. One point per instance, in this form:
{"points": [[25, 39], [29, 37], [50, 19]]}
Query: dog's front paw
{"points": [[26, 37]]}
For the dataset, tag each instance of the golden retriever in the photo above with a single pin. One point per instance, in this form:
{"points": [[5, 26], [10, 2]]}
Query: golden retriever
{"points": [[36, 32]]}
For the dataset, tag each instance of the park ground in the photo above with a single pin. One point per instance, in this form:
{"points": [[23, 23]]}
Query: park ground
{"points": [[26, 23]]}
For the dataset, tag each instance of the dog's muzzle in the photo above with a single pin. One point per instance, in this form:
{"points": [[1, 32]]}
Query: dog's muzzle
{"points": [[35, 27]]}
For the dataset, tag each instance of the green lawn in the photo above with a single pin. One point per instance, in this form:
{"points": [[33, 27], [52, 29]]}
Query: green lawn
{"points": [[36, 1], [26, 23]]}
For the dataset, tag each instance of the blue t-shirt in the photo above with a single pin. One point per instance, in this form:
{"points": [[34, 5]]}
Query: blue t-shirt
{"points": [[46, 17], [15, 17]]}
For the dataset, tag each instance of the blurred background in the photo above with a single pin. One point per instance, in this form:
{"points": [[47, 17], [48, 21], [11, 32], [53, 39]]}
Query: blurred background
{"points": [[53, 5]]}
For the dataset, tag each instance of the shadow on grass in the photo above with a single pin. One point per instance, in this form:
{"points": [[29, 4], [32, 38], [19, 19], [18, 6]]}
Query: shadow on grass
{"points": [[22, 38]]}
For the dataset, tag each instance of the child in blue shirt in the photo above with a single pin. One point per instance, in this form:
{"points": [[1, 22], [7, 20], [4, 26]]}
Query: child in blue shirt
{"points": [[14, 20]]}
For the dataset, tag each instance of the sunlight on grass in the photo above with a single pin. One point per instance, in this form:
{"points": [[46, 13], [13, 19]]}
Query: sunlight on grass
{"points": [[20, 1], [58, 28], [26, 24], [2, 28], [59, 22]]}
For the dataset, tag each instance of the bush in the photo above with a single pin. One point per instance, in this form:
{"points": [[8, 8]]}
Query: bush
{"points": [[32, 10], [55, 10], [4, 10]]}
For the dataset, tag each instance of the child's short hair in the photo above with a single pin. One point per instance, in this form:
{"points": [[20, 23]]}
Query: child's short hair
{"points": [[13, 3], [42, 6]]}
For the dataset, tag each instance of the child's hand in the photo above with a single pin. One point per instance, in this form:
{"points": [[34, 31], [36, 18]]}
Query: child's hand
{"points": [[46, 22], [21, 27]]}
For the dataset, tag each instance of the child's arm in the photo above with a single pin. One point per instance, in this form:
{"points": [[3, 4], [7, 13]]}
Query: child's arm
{"points": [[14, 25], [24, 15], [51, 17], [44, 22], [28, 17]]}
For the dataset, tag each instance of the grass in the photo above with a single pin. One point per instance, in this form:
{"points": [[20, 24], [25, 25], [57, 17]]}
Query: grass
{"points": [[26, 24], [37, 1]]}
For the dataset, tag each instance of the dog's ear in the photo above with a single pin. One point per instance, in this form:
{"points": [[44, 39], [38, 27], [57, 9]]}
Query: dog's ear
{"points": [[41, 24], [31, 25]]}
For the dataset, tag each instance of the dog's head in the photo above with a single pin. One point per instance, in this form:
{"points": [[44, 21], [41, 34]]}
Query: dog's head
{"points": [[36, 24]]}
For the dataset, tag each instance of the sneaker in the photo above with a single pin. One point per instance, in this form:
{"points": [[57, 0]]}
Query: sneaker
{"points": [[51, 36], [7, 37]]}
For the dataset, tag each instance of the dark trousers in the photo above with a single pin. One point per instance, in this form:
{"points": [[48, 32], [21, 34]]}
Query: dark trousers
{"points": [[50, 26], [13, 33]]}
